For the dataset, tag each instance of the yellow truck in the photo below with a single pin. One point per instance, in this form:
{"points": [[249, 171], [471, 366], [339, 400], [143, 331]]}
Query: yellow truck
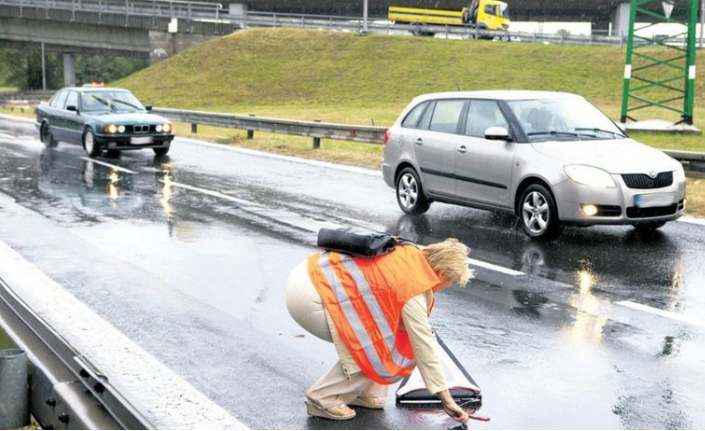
{"points": [[483, 14]]}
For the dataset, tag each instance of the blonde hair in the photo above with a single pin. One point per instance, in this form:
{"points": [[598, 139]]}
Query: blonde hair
{"points": [[450, 258]]}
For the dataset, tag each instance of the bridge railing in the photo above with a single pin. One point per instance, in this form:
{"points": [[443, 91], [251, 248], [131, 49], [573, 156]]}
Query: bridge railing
{"points": [[156, 8]]}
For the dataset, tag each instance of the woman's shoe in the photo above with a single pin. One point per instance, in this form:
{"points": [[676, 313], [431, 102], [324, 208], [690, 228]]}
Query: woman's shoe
{"points": [[338, 413], [368, 402]]}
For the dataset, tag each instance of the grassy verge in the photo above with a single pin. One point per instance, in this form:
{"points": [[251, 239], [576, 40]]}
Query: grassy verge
{"points": [[26, 113]]}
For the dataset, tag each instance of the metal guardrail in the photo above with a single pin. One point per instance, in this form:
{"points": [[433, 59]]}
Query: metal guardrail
{"points": [[693, 161], [314, 129], [67, 391], [146, 8], [356, 24]]}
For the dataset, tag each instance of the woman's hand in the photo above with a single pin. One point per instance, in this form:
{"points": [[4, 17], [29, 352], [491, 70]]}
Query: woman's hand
{"points": [[451, 408]]}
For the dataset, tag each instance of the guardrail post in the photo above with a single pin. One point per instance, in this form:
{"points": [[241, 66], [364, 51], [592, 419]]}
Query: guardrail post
{"points": [[251, 133], [316, 141], [14, 392], [194, 128]]}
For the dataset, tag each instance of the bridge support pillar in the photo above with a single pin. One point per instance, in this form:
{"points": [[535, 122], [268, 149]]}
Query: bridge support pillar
{"points": [[69, 70], [620, 19]]}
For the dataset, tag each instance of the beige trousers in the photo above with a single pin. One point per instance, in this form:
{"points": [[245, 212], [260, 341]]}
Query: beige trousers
{"points": [[336, 386]]}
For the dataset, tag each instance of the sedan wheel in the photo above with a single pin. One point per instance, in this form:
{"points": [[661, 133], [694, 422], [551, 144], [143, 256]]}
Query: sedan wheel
{"points": [[410, 196], [538, 213], [89, 143], [46, 137]]}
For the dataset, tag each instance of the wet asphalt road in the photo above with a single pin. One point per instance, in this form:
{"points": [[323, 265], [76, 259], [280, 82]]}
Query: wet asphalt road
{"points": [[188, 255]]}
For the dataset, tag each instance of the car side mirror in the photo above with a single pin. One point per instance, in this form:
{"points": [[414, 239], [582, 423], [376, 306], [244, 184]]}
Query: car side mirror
{"points": [[497, 134], [73, 108], [148, 107]]}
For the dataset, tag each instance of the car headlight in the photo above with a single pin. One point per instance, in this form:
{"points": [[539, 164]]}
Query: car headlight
{"points": [[589, 176], [166, 128], [159, 127], [111, 128], [121, 129], [679, 174]]}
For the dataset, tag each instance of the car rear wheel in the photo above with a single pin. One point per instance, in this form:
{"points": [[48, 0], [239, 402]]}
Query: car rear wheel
{"points": [[46, 137], [161, 151], [410, 196], [538, 213], [90, 145]]}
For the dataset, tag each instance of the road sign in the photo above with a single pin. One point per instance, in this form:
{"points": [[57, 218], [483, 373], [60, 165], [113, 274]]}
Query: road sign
{"points": [[660, 69]]}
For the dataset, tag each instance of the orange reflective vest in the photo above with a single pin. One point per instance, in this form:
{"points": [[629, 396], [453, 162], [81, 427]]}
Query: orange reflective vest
{"points": [[365, 297]]}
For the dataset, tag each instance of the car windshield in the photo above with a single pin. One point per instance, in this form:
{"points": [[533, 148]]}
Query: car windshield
{"points": [[111, 101], [570, 119]]}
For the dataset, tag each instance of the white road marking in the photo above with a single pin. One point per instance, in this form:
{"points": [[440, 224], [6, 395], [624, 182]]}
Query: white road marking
{"points": [[354, 169], [168, 401], [16, 118], [117, 168], [213, 193], [663, 313], [692, 220], [496, 268]]}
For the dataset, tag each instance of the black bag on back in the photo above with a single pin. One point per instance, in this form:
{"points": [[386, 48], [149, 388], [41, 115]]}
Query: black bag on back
{"points": [[358, 242]]}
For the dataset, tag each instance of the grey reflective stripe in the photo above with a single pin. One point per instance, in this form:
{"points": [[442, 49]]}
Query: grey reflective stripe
{"points": [[353, 318], [376, 311]]}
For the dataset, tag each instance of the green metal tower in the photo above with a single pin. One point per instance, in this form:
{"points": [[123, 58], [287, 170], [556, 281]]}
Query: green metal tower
{"points": [[662, 66]]}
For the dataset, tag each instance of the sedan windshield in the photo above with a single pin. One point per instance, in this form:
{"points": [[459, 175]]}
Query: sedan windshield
{"points": [[111, 101], [563, 120]]}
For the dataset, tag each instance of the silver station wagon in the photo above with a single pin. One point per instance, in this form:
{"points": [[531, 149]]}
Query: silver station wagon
{"points": [[550, 158]]}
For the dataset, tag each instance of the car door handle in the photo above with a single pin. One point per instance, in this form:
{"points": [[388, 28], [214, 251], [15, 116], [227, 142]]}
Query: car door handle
{"points": [[462, 149], [419, 141]]}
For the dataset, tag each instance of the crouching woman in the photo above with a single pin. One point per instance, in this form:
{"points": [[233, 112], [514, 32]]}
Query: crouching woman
{"points": [[375, 311]]}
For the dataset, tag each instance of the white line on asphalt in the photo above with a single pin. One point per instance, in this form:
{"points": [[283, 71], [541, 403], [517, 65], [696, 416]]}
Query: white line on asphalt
{"points": [[354, 169], [496, 268], [168, 401], [212, 193], [692, 220], [662, 313], [16, 118], [118, 168]]}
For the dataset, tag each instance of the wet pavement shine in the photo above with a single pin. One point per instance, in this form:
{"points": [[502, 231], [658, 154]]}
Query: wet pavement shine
{"points": [[188, 255]]}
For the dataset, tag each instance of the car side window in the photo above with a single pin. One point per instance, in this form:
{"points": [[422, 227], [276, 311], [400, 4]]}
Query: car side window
{"points": [[446, 115], [59, 99], [412, 119], [72, 99], [425, 122], [490, 10], [482, 115]]}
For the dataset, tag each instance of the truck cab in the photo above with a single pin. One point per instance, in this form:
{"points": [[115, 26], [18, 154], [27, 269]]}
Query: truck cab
{"points": [[489, 14]]}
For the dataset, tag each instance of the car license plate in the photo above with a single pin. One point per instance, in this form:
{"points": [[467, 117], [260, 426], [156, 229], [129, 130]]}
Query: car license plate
{"points": [[141, 140], [654, 200]]}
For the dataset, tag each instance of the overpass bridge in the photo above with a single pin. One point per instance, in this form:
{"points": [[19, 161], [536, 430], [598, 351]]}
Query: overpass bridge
{"points": [[137, 28]]}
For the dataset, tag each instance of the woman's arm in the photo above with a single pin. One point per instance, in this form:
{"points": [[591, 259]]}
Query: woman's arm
{"points": [[415, 318]]}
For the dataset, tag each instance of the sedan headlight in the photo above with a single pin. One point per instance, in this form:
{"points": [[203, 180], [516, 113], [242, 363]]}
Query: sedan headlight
{"points": [[111, 128], [159, 127], [679, 174], [121, 129], [167, 128], [589, 176]]}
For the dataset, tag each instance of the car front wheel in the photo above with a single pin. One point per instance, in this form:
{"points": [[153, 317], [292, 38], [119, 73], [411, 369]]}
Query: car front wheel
{"points": [[89, 143], [161, 151], [410, 196], [538, 213], [46, 137]]}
